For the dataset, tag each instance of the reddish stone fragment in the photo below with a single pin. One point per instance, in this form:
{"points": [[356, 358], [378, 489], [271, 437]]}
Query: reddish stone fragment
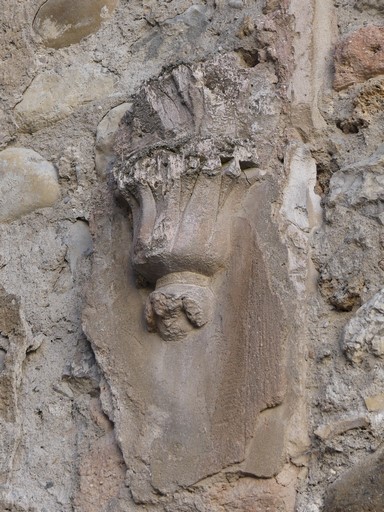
{"points": [[359, 57]]}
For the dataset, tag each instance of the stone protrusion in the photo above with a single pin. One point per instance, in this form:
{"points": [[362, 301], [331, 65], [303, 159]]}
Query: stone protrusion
{"points": [[27, 183], [176, 307], [200, 248], [360, 185], [359, 56], [181, 171], [14, 339], [364, 333], [360, 489], [64, 22]]}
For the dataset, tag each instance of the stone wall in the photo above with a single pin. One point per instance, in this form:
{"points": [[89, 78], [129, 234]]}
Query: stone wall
{"points": [[224, 353]]}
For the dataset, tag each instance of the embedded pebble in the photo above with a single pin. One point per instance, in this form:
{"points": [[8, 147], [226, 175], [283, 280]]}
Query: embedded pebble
{"points": [[64, 22], [27, 183]]}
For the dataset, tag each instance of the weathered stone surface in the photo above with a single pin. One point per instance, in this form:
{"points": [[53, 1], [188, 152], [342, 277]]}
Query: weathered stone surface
{"points": [[360, 185], [27, 183], [200, 206], [64, 22], [241, 495], [79, 243], [357, 189], [15, 335], [363, 335], [267, 450], [339, 427], [160, 389], [343, 290], [105, 138], [301, 212], [359, 56], [361, 489], [54, 95]]}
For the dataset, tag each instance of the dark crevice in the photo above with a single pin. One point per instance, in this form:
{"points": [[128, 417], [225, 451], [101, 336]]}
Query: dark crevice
{"points": [[250, 57], [352, 125]]}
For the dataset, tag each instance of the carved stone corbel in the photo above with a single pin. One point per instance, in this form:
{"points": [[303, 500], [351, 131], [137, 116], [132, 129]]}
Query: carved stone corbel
{"points": [[183, 183], [202, 383]]}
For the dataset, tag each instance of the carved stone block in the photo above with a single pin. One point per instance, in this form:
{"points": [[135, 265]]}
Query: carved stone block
{"points": [[186, 319]]}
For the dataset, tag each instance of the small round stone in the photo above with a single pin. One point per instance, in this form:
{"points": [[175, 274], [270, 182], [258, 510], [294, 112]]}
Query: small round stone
{"points": [[27, 182], [64, 22]]}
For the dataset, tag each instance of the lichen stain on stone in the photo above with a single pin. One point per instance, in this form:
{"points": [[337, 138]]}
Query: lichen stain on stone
{"points": [[61, 23]]}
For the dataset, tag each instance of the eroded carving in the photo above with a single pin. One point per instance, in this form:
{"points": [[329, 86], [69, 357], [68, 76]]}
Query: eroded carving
{"points": [[183, 177], [207, 392], [179, 304]]}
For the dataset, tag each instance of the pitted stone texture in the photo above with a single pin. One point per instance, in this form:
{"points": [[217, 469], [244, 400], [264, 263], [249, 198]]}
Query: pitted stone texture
{"points": [[360, 185], [361, 489], [64, 22], [364, 334], [370, 99], [27, 182], [342, 289], [54, 95], [175, 309], [350, 238], [182, 166], [359, 56]]}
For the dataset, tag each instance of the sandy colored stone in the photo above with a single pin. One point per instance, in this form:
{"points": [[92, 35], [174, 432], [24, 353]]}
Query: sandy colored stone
{"points": [[64, 22], [54, 95], [28, 182], [370, 99], [79, 243], [101, 468], [14, 337], [200, 369], [375, 403], [359, 56], [266, 452], [65, 458]]}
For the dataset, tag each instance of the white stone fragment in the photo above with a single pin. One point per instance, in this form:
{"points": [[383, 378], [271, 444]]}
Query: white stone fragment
{"points": [[301, 206], [364, 333], [360, 183]]}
